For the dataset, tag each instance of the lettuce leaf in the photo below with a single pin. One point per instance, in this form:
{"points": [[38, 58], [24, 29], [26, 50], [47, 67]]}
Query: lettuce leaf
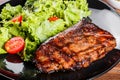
{"points": [[30, 47], [4, 36], [8, 12]]}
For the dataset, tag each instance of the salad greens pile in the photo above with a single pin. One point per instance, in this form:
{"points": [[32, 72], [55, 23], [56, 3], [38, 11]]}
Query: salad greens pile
{"points": [[35, 27]]}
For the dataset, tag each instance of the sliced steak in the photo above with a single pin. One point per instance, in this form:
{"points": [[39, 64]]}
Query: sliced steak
{"points": [[74, 48]]}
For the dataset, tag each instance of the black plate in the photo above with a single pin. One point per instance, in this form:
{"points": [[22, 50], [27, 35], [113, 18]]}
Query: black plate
{"points": [[12, 67]]}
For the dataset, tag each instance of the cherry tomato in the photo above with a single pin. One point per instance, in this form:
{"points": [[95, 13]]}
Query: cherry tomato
{"points": [[54, 18], [14, 45], [17, 19]]}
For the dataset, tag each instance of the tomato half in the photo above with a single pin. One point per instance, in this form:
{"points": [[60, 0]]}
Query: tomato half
{"points": [[17, 19], [14, 45], [54, 18]]}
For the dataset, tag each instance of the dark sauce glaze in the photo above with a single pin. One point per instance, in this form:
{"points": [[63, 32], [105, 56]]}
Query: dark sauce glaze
{"points": [[12, 67], [13, 58]]}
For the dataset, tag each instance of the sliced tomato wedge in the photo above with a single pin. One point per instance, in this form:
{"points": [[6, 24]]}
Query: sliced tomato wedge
{"points": [[17, 19], [54, 18], [15, 45]]}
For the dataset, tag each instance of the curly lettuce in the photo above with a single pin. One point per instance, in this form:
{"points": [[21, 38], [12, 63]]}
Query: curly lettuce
{"points": [[35, 27], [4, 36], [8, 12]]}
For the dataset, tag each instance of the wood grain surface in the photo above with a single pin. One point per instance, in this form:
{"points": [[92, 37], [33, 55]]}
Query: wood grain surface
{"points": [[113, 74], [117, 10]]}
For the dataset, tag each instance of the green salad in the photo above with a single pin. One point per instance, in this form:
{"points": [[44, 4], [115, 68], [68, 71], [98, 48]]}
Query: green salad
{"points": [[35, 22]]}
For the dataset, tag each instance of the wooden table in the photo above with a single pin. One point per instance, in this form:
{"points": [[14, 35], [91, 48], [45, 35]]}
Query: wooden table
{"points": [[117, 10], [113, 74]]}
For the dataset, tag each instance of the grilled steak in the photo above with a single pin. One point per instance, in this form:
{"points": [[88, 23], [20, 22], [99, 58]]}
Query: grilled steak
{"points": [[74, 48]]}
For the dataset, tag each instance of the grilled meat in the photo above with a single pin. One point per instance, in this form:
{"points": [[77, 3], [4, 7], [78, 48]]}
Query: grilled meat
{"points": [[74, 48]]}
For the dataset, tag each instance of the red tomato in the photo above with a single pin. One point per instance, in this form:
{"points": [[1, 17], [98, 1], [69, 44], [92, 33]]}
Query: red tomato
{"points": [[17, 19], [54, 18], [14, 45]]}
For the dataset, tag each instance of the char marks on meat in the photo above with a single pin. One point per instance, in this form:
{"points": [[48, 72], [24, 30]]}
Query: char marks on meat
{"points": [[74, 48]]}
